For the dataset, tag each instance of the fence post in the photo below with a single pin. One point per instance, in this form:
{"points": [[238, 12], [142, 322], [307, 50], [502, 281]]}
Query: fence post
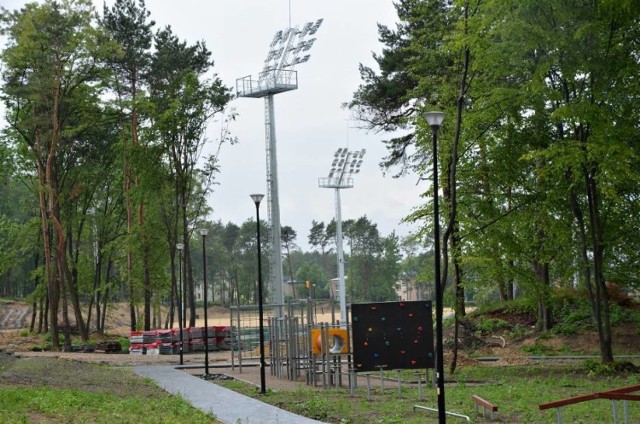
{"points": [[625, 405], [559, 414]]}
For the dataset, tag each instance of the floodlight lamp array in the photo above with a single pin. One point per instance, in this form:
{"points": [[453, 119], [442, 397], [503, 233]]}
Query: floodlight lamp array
{"points": [[287, 45], [346, 163]]}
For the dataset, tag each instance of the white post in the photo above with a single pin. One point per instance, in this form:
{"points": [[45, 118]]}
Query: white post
{"points": [[274, 208], [341, 280]]}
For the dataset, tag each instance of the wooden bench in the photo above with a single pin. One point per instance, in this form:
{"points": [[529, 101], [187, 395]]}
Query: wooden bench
{"points": [[486, 406]]}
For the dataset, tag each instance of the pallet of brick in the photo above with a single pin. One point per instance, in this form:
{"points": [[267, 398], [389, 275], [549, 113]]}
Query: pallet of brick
{"points": [[196, 345], [136, 337], [186, 348], [212, 345], [165, 348], [149, 337], [175, 334], [223, 337], [194, 333], [153, 348], [137, 349], [164, 336]]}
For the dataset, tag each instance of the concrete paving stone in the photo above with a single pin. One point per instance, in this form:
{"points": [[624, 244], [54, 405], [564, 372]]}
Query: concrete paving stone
{"points": [[226, 405]]}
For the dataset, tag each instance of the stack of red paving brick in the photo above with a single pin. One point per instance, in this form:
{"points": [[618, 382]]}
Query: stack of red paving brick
{"points": [[167, 342]]}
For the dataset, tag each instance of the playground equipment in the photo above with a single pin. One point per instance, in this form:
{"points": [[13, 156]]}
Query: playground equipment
{"points": [[299, 348], [382, 336]]}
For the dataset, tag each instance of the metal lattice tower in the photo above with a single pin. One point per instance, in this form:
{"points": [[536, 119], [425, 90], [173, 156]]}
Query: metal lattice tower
{"points": [[277, 76]]}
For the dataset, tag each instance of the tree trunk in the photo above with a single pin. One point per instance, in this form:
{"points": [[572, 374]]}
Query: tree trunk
{"points": [[450, 192], [34, 312], [129, 208], [597, 246], [594, 294], [71, 284], [52, 281], [545, 317]]}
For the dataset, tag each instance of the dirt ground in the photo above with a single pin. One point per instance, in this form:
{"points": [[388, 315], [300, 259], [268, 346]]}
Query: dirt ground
{"points": [[14, 318]]}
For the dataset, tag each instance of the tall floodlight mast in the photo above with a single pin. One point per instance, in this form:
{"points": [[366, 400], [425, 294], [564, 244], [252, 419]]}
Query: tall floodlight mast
{"points": [[288, 48], [345, 165]]}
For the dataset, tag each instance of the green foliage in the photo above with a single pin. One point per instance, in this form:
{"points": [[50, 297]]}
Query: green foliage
{"points": [[620, 314], [519, 305], [490, 325], [572, 314], [125, 343], [518, 331], [538, 349], [597, 368]]}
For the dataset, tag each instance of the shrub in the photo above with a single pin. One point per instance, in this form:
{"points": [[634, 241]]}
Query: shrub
{"points": [[595, 367], [537, 349], [489, 325]]}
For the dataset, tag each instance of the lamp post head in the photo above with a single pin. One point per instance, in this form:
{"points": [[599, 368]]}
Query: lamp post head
{"points": [[257, 198], [434, 118], [180, 246], [203, 231]]}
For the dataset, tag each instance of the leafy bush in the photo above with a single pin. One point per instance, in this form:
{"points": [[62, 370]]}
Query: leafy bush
{"points": [[572, 312], [489, 325], [125, 342], [565, 328], [537, 349], [596, 368], [520, 305], [621, 314], [518, 331]]}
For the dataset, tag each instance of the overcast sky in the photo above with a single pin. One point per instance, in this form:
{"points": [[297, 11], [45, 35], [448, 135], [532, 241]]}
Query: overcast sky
{"points": [[310, 121]]}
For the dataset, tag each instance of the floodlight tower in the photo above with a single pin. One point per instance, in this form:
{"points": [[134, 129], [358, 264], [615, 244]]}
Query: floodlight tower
{"points": [[277, 76], [345, 165]]}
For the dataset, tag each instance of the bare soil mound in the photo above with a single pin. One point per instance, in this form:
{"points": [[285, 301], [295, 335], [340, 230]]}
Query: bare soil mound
{"points": [[13, 315]]}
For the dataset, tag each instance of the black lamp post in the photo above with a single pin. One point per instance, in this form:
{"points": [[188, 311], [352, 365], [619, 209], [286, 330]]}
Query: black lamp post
{"points": [[434, 119], [203, 233], [263, 387], [180, 246]]}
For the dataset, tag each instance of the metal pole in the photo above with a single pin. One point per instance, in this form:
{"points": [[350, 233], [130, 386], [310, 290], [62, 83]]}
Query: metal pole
{"points": [[180, 305], [184, 295], [442, 417], [341, 279], [206, 322], [274, 203], [263, 387]]}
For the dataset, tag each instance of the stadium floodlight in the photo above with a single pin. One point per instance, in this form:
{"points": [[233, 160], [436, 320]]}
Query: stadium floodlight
{"points": [[277, 76], [345, 164]]}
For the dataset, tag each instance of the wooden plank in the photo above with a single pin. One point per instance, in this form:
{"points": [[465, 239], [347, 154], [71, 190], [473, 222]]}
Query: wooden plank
{"points": [[570, 401], [484, 403], [619, 396], [628, 389]]}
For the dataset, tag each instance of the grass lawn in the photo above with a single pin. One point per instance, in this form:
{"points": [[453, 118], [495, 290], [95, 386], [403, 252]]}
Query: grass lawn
{"points": [[36, 390], [516, 390]]}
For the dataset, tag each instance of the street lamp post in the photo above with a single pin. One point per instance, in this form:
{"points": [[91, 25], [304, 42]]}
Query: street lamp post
{"points": [[180, 246], [256, 199], [434, 119], [203, 233]]}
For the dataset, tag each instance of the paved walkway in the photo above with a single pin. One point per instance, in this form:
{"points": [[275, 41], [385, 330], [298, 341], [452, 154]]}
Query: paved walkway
{"points": [[226, 405]]}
